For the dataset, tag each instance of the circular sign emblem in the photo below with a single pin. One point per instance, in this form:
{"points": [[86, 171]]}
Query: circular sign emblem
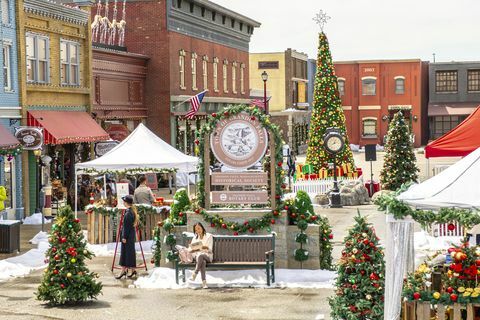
{"points": [[239, 142], [31, 138]]}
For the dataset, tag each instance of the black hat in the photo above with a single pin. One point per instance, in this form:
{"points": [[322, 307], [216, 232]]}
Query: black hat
{"points": [[128, 199]]}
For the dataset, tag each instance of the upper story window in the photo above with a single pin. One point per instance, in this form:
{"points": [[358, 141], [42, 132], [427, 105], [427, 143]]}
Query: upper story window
{"points": [[399, 85], [242, 78], [38, 61], [203, 12], [179, 4], [225, 76], [234, 77], [7, 68], [205, 72], [5, 12], [215, 74], [369, 127], [341, 86], [194, 71], [69, 57], [446, 81], [473, 80], [181, 67], [191, 7], [214, 15], [233, 23], [369, 86], [224, 19]]}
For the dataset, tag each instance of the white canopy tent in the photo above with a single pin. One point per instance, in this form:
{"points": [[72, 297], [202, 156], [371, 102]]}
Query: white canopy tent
{"points": [[141, 151], [457, 186]]}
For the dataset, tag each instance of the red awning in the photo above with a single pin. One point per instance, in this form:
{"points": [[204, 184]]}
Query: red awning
{"points": [[7, 139], [458, 142], [62, 127]]}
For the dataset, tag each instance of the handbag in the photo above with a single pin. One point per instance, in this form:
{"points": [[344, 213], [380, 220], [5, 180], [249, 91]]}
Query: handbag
{"points": [[184, 254]]}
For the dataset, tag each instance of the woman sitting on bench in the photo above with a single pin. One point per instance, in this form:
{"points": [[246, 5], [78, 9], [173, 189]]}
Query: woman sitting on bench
{"points": [[202, 250]]}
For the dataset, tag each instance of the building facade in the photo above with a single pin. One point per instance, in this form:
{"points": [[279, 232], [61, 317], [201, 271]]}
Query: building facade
{"points": [[10, 166], [55, 89], [373, 91], [287, 87], [193, 46], [454, 93]]}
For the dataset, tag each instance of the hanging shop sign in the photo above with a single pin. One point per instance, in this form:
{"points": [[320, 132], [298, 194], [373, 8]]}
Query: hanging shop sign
{"points": [[117, 131], [240, 141], [31, 138], [103, 147]]}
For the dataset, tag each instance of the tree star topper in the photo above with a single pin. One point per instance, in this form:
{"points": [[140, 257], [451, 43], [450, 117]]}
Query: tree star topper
{"points": [[321, 19]]}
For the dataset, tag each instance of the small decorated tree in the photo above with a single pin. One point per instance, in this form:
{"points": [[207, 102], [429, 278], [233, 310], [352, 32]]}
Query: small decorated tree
{"points": [[67, 278], [361, 276], [181, 203], [327, 112], [399, 166]]}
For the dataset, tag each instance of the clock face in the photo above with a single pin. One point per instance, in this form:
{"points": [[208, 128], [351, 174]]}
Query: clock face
{"points": [[334, 143]]}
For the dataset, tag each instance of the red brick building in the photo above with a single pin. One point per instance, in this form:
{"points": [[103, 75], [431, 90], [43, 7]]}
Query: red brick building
{"points": [[193, 45], [372, 91]]}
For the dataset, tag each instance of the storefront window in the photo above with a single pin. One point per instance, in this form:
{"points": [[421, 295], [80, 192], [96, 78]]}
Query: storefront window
{"points": [[8, 173]]}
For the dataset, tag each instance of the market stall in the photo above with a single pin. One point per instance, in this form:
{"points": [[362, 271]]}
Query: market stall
{"points": [[141, 152]]}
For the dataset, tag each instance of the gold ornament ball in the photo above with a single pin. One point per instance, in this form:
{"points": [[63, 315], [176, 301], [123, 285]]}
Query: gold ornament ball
{"points": [[85, 251], [69, 275], [73, 260], [46, 270]]}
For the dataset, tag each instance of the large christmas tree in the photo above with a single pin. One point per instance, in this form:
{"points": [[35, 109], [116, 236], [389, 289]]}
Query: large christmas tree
{"points": [[361, 276], [67, 278], [327, 111], [399, 164]]}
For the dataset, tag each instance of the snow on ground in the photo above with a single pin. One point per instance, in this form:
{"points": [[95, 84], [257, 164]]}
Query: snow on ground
{"points": [[22, 265], [35, 218], [164, 278], [108, 249]]}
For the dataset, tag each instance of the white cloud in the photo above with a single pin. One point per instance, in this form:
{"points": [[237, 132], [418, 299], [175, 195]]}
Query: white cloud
{"points": [[367, 29]]}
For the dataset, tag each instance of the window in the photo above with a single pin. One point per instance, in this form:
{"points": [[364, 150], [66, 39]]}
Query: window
{"points": [[191, 7], [224, 19], [369, 86], [399, 85], [446, 81], [181, 64], [215, 74], [440, 125], [241, 26], [233, 23], [37, 58], [194, 71], [203, 12], [214, 14], [341, 87], [179, 4], [369, 127], [69, 73], [5, 12], [473, 79], [205, 72], [234, 77], [225, 76], [242, 78], [7, 70]]}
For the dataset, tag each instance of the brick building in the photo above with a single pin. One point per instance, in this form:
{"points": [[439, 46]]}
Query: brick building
{"points": [[454, 94], [193, 45], [372, 91]]}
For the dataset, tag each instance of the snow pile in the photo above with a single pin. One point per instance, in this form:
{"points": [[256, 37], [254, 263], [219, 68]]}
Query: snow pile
{"points": [[24, 264], [35, 218], [164, 278], [108, 249], [354, 147]]}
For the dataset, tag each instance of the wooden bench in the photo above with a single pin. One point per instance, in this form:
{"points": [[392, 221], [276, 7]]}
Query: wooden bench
{"points": [[237, 252]]}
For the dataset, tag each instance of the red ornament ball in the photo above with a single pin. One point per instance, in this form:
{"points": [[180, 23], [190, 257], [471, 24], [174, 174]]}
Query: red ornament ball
{"points": [[293, 215], [235, 233], [62, 286], [279, 163], [416, 296], [77, 220], [212, 225], [57, 257], [453, 297], [275, 213], [253, 118], [197, 141], [272, 221], [224, 226], [251, 230], [245, 223], [366, 241], [314, 218], [286, 207], [180, 214], [302, 216], [54, 249], [330, 236], [55, 271], [451, 227], [449, 289], [214, 115], [225, 114], [152, 261], [197, 211]]}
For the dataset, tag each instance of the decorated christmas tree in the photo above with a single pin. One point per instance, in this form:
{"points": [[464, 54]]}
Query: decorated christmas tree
{"points": [[327, 112], [67, 278], [361, 276], [399, 164]]}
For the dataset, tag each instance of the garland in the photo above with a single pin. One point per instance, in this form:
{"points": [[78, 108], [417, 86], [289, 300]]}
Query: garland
{"points": [[131, 171], [426, 218], [157, 245], [208, 128], [10, 153], [181, 203]]}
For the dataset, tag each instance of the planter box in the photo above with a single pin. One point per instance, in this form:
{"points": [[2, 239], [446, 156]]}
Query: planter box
{"points": [[9, 236], [426, 311]]}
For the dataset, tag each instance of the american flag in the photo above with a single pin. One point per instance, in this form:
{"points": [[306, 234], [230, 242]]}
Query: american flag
{"points": [[195, 102], [259, 103]]}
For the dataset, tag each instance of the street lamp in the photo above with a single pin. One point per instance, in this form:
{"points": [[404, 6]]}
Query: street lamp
{"points": [[265, 78], [38, 153]]}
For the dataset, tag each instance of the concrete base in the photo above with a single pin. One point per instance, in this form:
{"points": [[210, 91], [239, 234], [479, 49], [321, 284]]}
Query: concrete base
{"points": [[285, 244]]}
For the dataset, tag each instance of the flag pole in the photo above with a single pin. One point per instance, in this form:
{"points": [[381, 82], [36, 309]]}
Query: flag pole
{"points": [[206, 90]]}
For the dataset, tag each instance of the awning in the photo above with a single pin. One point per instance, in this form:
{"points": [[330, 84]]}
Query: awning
{"points": [[7, 139], [451, 109], [62, 127]]}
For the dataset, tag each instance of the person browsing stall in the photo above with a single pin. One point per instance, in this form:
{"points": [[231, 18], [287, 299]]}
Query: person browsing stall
{"points": [[127, 255], [143, 194], [202, 250]]}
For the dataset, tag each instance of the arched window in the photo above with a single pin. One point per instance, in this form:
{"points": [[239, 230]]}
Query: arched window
{"points": [[341, 86], [399, 85], [369, 86]]}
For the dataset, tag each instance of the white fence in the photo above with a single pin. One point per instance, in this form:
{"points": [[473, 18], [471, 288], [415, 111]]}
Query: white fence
{"points": [[441, 230], [317, 186]]}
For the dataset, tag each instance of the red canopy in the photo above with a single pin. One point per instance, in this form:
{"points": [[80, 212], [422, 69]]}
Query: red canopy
{"points": [[458, 142]]}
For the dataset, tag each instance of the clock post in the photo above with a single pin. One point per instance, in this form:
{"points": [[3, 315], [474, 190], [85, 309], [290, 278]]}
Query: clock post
{"points": [[334, 143]]}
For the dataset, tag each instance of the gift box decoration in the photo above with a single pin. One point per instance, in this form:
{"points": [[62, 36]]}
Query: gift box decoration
{"points": [[307, 169], [323, 173]]}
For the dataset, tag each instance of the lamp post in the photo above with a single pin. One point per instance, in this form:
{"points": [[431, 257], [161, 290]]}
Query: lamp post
{"points": [[38, 153], [265, 78]]}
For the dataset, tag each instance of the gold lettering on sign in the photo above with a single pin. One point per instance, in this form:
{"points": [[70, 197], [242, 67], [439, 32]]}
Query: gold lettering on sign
{"points": [[368, 69]]}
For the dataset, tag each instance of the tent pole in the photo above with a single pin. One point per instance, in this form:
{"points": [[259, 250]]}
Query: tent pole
{"points": [[428, 168], [76, 194], [105, 186]]}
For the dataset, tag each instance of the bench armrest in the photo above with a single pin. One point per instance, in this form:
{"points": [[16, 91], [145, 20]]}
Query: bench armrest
{"points": [[269, 255]]}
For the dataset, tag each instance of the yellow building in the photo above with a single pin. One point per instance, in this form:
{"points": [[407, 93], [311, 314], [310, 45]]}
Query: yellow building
{"points": [[54, 44], [287, 89]]}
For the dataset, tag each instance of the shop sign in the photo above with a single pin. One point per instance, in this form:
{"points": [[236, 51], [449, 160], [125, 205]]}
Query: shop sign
{"points": [[103, 147], [239, 197], [118, 131], [31, 138], [239, 179]]}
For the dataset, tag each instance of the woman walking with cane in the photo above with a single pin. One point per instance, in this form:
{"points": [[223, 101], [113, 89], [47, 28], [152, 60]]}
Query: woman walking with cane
{"points": [[127, 255]]}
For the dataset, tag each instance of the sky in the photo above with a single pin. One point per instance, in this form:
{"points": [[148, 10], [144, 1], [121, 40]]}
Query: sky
{"points": [[367, 29]]}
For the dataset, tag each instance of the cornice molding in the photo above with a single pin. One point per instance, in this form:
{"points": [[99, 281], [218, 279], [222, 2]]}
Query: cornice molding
{"points": [[56, 11]]}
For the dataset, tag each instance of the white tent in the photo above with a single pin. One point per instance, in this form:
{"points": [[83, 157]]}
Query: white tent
{"points": [[457, 186], [142, 150]]}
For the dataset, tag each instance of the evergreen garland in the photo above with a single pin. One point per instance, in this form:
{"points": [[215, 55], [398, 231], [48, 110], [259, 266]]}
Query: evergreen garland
{"points": [[327, 112], [181, 203], [399, 165]]}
